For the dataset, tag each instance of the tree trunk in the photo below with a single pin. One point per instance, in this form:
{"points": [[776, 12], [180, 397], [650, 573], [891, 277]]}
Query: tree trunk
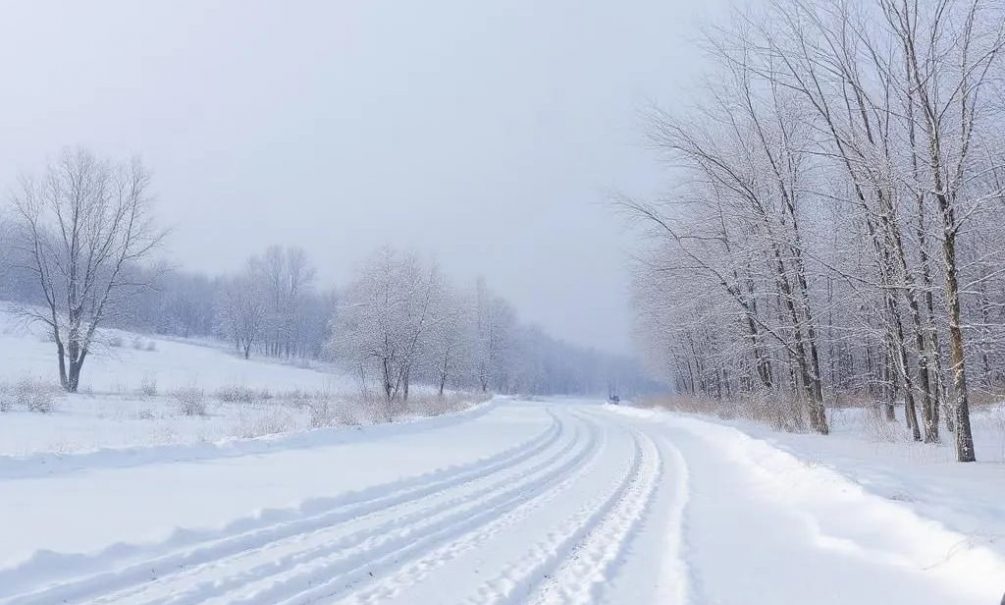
{"points": [[961, 405], [61, 352], [74, 375], [890, 382]]}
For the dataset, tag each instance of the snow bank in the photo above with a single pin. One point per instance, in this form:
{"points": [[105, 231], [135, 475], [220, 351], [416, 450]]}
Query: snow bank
{"points": [[942, 520]]}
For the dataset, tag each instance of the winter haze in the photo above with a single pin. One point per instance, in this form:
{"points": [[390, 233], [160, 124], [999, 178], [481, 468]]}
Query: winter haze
{"points": [[487, 135], [502, 302]]}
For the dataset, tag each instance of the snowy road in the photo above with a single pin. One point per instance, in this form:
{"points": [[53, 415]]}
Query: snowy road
{"points": [[524, 503]]}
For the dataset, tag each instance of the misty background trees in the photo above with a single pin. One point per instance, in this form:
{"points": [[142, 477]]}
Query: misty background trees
{"points": [[75, 245], [835, 233]]}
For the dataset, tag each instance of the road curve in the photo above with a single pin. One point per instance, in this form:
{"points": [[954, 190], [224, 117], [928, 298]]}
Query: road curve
{"points": [[571, 503]]}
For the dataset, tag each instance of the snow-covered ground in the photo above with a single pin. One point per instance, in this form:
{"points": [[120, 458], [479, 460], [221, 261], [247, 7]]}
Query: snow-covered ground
{"points": [[116, 496], [125, 363], [134, 388], [510, 502]]}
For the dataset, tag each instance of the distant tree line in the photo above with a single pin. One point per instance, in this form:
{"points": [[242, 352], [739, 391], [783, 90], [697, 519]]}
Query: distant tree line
{"points": [[74, 255]]}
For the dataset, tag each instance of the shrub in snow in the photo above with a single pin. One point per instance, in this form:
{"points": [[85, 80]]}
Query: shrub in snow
{"points": [[297, 396], [115, 341], [775, 410], [6, 397], [144, 345], [266, 420], [191, 401], [878, 428], [237, 394], [36, 395], [434, 405], [148, 386], [321, 412], [373, 410], [145, 415]]}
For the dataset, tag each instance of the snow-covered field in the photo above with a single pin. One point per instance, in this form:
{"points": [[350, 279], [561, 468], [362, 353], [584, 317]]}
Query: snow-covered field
{"points": [[125, 362], [116, 496], [134, 389]]}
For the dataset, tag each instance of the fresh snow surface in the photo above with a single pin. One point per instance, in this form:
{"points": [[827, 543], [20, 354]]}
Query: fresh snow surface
{"points": [[128, 394], [122, 363], [510, 502]]}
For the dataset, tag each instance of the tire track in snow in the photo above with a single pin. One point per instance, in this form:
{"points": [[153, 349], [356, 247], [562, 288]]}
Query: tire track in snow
{"points": [[417, 571], [597, 556], [594, 536], [329, 552], [323, 579], [677, 586], [201, 548], [655, 568]]}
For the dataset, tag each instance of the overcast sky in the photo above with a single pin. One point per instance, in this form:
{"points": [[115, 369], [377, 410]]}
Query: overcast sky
{"points": [[484, 133]]}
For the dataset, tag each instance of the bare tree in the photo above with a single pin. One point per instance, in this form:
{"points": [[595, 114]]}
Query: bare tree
{"points": [[449, 340], [243, 310], [839, 143], [286, 276], [86, 221], [383, 318]]}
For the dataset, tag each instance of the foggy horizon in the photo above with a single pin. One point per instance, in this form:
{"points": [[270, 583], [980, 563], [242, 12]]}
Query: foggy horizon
{"points": [[488, 140]]}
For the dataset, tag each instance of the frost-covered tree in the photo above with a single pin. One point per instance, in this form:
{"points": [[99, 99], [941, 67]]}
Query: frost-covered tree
{"points": [[287, 279], [85, 222], [383, 317], [495, 324], [243, 310], [449, 344], [828, 238]]}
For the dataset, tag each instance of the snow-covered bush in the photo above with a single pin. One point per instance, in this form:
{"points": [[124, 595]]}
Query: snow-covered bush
{"points": [[191, 401], [776, 410], [361, 411], [36, 395], [878, 428], [241, 394], [148, 386], [115, 342], [6, 397], [266, 420], [321, 413], [435, 405]]}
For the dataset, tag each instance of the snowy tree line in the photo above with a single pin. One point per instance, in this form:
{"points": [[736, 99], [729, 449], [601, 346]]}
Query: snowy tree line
{"points": [[834, 233], [74, 255], [400, 321]]}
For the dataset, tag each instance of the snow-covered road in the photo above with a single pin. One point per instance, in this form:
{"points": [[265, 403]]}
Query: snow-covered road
{"points": [[519, 502]]}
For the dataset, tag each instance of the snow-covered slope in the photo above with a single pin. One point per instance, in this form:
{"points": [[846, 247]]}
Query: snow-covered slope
{"points": [[133, 388], [124, 362]]}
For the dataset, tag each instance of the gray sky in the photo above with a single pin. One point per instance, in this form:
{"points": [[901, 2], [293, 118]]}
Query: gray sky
{"points": [[484, 133]]}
